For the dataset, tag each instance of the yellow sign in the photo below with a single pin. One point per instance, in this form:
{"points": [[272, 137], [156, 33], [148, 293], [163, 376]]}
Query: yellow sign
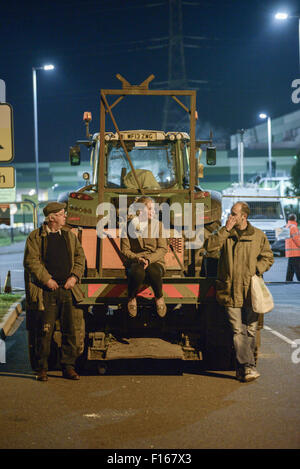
{"points": [[6, 133], [7, 177]]}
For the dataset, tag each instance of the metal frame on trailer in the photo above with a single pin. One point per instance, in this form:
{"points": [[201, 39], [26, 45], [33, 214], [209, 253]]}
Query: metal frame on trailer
{"points": [[143, 90], [185, 290]]}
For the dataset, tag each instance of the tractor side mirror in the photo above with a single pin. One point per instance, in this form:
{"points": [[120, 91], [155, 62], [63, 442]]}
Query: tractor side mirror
{"points": [[74, 155], [211, 156]]}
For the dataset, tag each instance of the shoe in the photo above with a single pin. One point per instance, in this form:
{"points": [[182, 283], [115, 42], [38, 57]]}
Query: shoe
{"points": [[240, 374], [251, 374], [70, 373], [132, 308], [42, 375], [161, 307]]}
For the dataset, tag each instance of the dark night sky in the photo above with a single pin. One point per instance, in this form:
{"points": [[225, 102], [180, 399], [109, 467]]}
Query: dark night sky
{"points": [[247, 58]]}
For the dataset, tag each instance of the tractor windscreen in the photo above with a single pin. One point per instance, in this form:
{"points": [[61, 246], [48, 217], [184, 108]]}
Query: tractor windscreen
{"points": [[154, 163]]}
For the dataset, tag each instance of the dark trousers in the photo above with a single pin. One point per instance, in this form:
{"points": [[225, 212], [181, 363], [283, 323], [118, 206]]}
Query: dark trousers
{"points": [[58, 305], [138, 276], [293, 268]]}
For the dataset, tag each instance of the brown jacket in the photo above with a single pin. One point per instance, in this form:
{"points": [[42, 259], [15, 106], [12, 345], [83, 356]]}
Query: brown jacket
{"points": [[36, 274], [153, 249], [241, 257]]}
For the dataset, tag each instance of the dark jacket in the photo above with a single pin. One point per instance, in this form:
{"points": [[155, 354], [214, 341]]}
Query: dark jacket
{"points": [[36, 274]]}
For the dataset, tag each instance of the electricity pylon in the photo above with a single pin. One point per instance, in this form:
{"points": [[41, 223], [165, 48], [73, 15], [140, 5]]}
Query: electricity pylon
{"points": [[177, 79]]}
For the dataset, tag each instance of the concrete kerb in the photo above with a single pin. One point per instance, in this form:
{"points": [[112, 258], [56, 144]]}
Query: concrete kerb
{"points": [[11, 316]]}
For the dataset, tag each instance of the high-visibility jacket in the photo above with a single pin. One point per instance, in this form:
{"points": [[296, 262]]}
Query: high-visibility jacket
{"points": [[292, 244]]}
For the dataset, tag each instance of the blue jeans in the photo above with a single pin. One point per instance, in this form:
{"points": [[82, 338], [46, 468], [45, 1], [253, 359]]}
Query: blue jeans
{"points": [[243, 322]]}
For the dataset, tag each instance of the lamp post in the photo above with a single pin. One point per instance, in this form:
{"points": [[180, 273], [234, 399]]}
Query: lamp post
{"points": [[283, 16], [262, 115], [36, 145], [241, 157]]}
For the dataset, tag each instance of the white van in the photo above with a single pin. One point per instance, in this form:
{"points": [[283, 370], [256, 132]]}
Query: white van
{"points": [[276, 183], [282, 185], [266, 210]]}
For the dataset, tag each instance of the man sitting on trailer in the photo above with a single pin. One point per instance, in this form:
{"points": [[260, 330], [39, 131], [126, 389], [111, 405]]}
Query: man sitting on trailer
{"points": [[144, 250]]}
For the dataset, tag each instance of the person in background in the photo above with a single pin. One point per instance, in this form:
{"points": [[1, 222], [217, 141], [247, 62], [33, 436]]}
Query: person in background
{"points": [[54, 262], [244, 252], [292, 249]]}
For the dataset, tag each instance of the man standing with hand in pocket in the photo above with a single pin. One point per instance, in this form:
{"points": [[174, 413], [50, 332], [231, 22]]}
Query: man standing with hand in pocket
{"points": [[54, 262], [244, 252]]}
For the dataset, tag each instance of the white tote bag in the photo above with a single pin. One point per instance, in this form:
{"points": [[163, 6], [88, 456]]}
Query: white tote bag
{"points": [[261, 297]]}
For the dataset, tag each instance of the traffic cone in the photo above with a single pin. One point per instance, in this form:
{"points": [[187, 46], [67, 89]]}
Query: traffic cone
{"points": [[7, 285]]}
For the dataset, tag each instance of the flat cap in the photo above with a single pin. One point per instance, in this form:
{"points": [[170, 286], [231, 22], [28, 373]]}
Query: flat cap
{"points": [[53, 207]]}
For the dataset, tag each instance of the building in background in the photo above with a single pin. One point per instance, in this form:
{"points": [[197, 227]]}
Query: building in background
{"points": [[55, 179], [285, 134], [285, 148]]}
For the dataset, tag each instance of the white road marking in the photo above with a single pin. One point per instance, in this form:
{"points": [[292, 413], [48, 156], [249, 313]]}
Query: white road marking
{"points": [[2, 351], [286, 339], [111, 414]]}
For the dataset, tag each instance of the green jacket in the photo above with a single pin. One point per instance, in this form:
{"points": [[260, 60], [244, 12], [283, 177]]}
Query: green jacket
{"points": [[36, 274], [241, 257], [153, 249]]}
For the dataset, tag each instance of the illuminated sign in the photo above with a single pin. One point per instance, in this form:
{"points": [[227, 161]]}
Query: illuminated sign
{"points": [[7, 177], [6, 133]]}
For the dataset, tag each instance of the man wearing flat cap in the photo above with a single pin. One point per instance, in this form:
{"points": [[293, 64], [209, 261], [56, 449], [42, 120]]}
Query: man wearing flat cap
{"points": [[54, 262]]}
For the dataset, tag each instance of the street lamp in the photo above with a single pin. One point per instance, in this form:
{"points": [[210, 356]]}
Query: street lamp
{"points": [[283, 16], [241, 157], [36, 146], [262, 115]]}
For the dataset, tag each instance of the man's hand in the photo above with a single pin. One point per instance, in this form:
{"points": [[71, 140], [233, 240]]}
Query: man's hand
{"points": [[51, 284], [143, 261], [70, 282], [230, 223]]}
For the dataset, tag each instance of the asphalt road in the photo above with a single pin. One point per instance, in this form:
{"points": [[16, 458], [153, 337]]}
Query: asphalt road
{"points": [[11, 258], [162, 405], [166, 405]]}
